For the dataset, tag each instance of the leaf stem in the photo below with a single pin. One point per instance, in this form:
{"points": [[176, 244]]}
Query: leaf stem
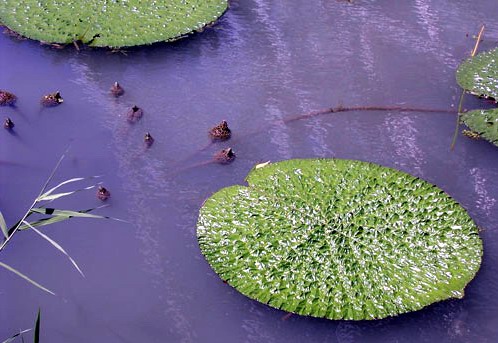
{"points": [[45, 185]]}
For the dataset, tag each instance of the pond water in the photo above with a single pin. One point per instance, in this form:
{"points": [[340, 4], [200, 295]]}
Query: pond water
{"points": [[265, 61]]}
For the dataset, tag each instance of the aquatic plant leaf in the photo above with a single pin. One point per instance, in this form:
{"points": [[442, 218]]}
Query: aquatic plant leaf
{"points": [[479, 74], [339, 239], [484, 122], [109, 23], [56, 245], [3, 226], [66, 213], [36, 338], [54, 219], [56, 196], [15, 271], [11, 339], [49, 196]]}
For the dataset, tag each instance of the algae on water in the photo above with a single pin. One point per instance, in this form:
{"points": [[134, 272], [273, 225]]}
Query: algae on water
{"points": [[339, 239], [112, 23]]}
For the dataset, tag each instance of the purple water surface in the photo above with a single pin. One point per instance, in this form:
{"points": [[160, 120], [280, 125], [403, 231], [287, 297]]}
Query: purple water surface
{"points": [[146, 280]]}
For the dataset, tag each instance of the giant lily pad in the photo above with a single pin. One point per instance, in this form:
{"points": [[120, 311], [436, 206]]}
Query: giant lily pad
{"points": [[114, 23], [479, 74], [339, 239], [484, 122]]}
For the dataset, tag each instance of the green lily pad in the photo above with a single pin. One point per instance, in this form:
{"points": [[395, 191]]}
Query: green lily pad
{"points": [[339, 239], [479, 74], [113, 23], [484, 122]]}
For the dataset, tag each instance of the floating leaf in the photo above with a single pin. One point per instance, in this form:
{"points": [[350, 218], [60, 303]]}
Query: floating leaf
{"points": [[109, 23], [15, 271], [339, 239], [484, 122], [261, 165], [479, 74]]}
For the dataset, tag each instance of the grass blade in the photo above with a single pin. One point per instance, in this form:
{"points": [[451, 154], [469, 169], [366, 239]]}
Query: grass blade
{"points": [[9, 268], [43, 222], [50, 191], [8, 340], [52, 197], [3, 226], [59, 218], [37, 328], [51, 220], [57, 246], [66, 213]]}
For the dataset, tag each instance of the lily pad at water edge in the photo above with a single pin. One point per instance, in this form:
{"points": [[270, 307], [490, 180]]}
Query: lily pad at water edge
{"points": [[484, 122], [339, 239], [113, 23], [479, 74]]}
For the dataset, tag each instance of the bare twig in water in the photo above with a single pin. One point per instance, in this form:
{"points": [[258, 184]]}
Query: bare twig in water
{"points": [[311, 114], [478, 40], [363, 108]]}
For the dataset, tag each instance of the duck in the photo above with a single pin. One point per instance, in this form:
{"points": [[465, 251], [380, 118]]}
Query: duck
{"points": [[148, 139], [7, 98], [224, 156], [117, 90], [8, 124], [52, 99], [220, 132], [134, 114], [103, 194]]}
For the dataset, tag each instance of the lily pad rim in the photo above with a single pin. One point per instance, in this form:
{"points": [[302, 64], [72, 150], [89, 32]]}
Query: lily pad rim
{"points": [[194, 32], [424, 306]]}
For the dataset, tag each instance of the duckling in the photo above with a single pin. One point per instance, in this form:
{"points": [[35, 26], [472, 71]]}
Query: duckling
{"points": [[148, 139], [8, 124], [52, 99], [220, 132], [117, 90], [103, 194], [7, 98], [134, 114], [224, 156]]}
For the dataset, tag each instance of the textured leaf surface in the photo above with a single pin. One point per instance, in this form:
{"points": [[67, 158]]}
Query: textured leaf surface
{"points": [[339, 239], [484, 122], [479, 75], [117, 23]]}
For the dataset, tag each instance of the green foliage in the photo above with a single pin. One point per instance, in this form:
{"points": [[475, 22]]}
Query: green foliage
{"points": [[51, 216], [479, 74], [339, 239], [113, 23], [484, 122]]}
